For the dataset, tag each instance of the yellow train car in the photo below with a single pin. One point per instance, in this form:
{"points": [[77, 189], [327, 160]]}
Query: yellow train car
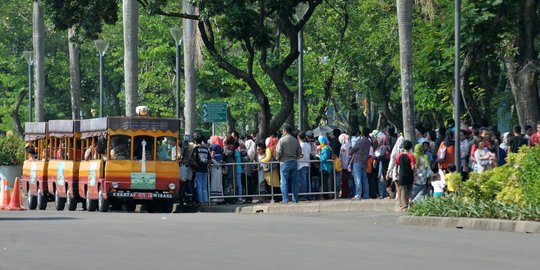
{"points": [[34, 176], [65, 157], [129, 161]]}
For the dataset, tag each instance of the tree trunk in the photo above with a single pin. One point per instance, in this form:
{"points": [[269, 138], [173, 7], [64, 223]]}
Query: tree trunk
{"points": [[404, 14], [74, 73], [522, 70], [466, 94], [523, 84], [38, 29], [231, 122], [190, 75], [131, 30]]}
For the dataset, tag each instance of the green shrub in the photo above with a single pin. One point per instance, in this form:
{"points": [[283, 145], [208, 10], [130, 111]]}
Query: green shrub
{"points": [[459, 206], [529, 173], [11, 150]]}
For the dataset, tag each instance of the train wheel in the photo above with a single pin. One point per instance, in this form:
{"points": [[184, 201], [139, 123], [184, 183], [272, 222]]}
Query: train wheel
{"points": [[103, 204], [71, 201], [59, 201], [32, 200], [41, 200], [91, 205]]}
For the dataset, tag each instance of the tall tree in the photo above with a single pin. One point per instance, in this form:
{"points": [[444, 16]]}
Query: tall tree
{"points": [[74, 73], [190, 74], [404, 13], [131, 30], [521, 61], [83, 21], [38, 26], [249, 25]]}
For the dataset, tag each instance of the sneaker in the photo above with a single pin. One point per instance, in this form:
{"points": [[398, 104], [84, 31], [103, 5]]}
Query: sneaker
{"points": [[241, 200], [356, 198]]}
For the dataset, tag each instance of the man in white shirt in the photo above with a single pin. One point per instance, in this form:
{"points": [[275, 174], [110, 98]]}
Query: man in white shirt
{"points": [[303, 163]]}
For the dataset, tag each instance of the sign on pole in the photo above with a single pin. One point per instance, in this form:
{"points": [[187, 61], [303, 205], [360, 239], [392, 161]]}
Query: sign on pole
{"points": [[213, 112]]}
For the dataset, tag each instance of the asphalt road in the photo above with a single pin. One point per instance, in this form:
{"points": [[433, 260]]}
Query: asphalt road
{"points": [[82, 240]]}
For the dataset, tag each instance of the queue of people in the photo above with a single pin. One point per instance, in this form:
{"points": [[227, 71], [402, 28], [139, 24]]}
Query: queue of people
{"points": [[367, 165]]}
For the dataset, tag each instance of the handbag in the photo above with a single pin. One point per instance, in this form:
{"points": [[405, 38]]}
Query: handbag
{"points": [[184, 173], [441, 155]]}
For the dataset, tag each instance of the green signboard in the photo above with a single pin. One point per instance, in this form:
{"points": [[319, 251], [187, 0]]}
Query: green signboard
{"points": [[214, 112], [143, 180]]}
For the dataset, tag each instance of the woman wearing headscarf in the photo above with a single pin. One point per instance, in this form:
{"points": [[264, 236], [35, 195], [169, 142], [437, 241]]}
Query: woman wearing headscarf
{"points": [[391, 174], [216, 152], [382, 160], [347, 184], [326, 162], [502, 149], [423, 172], [271, 171]]}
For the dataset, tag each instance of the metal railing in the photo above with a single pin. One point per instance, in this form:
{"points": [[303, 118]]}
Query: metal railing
{"points": [[223, 184]]}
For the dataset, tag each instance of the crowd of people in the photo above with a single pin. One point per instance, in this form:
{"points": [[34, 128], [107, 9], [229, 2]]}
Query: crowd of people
{"points": [[365, 165]]}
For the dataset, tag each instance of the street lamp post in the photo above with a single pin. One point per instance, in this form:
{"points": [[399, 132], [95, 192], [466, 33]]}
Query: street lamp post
{"points": [[457, 95], [176, 33], [29, 56], [301, 10], [101, 46]]}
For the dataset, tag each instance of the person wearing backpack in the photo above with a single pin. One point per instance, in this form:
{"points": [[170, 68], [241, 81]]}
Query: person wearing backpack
{"points": [[405, 164], [201, 158]]}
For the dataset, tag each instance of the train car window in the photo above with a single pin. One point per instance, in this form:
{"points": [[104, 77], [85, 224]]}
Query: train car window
{"points": [[166, 148], [120, 147], [148, 149]]}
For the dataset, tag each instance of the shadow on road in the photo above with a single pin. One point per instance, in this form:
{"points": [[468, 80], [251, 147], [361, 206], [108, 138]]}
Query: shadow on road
{"points": [[35, 218]]}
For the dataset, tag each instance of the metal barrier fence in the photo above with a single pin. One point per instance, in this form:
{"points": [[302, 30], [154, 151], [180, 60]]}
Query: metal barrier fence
{"points": [[262, 180]]}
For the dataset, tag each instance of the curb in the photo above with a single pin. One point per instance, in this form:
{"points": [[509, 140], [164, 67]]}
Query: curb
{"points": [[472, 224], [307, 207]]}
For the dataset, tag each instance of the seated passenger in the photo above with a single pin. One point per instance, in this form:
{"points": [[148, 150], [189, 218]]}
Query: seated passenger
{"points": [[120, 153], [162, 152]]}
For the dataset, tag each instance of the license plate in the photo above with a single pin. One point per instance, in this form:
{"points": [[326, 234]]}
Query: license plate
{"points": [[142, 196]]}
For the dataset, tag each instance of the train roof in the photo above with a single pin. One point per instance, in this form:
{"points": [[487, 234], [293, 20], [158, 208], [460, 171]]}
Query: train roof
{"points": [[64, 128], [97, 126], [35, 130]]}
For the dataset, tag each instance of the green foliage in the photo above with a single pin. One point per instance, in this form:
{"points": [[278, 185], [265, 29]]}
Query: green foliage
{"points": [[454, 181], [459, 206], [511, 191], [88, 16], [528, 173], [11, 150]]}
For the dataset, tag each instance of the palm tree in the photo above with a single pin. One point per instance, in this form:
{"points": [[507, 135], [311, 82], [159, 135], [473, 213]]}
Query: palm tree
{"points": [[74, 73], [38, 29], [131, 25], [404, 14], [190, 74]]}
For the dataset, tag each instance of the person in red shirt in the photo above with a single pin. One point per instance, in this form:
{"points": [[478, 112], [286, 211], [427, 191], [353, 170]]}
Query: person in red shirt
{"points": [[535, 138]]}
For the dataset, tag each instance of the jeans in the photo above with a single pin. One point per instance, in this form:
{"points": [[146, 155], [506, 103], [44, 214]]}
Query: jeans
{"points": [[303, 178], [360, 181], [382, 186], [338, 184], [288, 171], [238, 179], [202, 187]]}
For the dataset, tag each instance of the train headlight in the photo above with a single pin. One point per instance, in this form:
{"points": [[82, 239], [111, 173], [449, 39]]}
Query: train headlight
{"points": [[172, 186], [115, 185]]}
